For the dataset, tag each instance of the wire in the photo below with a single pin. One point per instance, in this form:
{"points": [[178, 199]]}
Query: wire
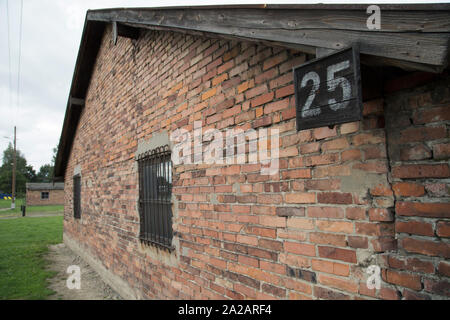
{"points": [[9, 55], [20, 53]]}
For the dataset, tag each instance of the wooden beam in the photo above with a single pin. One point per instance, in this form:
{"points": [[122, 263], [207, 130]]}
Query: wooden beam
{"points": [[127, 31], [418, 37], [114, 32], [320, 52], [76, 101], [121, 30]]}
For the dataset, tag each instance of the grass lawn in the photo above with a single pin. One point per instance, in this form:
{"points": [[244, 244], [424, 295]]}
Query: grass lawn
{"points": [[7, 203], [23, 243], [19, 202]]}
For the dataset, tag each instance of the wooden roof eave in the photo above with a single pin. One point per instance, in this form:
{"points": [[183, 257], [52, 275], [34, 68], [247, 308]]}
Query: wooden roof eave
{"points": [[414, 37], [417, 39]]}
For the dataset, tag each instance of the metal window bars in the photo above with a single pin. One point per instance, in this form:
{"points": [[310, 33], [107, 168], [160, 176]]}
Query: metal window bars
{"points": [[155, 192]]}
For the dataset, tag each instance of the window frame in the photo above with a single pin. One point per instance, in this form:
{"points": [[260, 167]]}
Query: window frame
{"points": [[76, 198], [45, 198], [155, 197]]}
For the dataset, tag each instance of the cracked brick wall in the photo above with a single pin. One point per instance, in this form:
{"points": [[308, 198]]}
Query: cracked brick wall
{"points": [[417, 122]]}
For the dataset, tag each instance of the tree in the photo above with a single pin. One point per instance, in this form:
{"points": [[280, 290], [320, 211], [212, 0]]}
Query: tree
{"points": [[24, 172], [45, 173]]}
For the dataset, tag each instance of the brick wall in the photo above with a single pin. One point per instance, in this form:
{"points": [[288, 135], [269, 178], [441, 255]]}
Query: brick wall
{"points": [[419, 150], [33, 197], [308, 232]]}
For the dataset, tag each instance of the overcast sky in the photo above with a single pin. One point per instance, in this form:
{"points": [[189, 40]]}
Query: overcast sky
{"points": [[51, 33]]}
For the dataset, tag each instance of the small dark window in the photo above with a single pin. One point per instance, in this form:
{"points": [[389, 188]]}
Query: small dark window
{"points": [[77, 196], [44, 195], [155, 192]]}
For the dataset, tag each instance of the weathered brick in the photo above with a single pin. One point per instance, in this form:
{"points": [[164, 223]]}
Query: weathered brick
{"points": [[373, 107], [336, 144], [300, 223], [334, 198], [414, 227], [270, 244], [418, 152], [413, 134], [301, 197], [349, 127], [367, 138], [335, 226], [285, 91], [328, 239], [327, 294], [290, 211], [381, 190], [262, 122], [338, 283], [209, 94], [358, 242], [380, 214], [301, 274], [296, 174], [431, 115], [403, 279], [441, 151], [269, 63], [324, 132], [276, 106], [300, 248], [337, 254], [276, 291], [262, 99], [336, 268], [355, 213], [429, 248], [441, 287], [411, 264], [431, 209], [444, 268], [443, 229], [407, 189], [325, 212], [226, 66]]}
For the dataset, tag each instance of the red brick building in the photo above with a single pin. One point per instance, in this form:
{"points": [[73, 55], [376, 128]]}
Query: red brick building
{"points": [[42, 194], [345, 198]]}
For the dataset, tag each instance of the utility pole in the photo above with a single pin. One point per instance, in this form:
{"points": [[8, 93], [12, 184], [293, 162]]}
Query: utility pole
{"points": [[13, 201]]}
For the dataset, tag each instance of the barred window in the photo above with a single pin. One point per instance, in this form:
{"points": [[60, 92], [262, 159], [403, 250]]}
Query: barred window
{"points": [[44, 195], [155, 192], [77, 196]]}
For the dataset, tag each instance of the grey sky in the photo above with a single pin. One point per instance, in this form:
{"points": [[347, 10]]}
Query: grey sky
{"points": [[51, 33]]}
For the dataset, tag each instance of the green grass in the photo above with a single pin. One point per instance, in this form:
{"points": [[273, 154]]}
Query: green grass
{"points": [[23, 244], [29, 209], [7, 203]]}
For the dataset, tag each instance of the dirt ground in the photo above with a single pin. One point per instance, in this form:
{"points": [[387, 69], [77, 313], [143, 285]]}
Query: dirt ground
{"points": [[32, 215], [92, 287]]}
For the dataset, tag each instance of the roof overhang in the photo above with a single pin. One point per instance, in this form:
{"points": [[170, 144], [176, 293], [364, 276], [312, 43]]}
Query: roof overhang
{"points": [[412, 37]]}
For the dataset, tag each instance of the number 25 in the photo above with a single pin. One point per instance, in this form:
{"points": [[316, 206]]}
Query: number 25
{"points": [[332, 84]]}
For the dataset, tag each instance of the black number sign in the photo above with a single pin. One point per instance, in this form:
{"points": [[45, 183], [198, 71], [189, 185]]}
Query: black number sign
{"points": [[328, 90]]}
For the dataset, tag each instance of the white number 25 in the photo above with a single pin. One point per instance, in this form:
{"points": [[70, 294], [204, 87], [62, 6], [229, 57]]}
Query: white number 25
{"points": [[332, 84]]}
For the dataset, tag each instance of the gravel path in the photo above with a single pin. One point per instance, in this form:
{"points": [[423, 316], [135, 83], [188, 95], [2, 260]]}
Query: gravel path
{"points": [[92, 286]]}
